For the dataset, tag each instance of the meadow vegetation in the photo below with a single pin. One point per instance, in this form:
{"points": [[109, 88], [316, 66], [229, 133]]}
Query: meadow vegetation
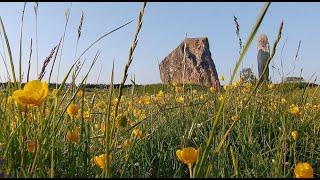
{"points": [[161, 130]]}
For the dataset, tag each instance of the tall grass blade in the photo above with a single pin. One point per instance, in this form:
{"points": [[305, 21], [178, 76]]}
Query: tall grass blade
{"points": [[7, 50], [199, 167]]}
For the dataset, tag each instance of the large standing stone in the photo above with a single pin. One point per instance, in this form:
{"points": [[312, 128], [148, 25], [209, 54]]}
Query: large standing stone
{"points": [[199, 66]]}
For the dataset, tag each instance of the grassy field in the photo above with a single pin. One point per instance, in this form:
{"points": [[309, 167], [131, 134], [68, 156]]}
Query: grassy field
{"points": [[259, 145], [160, 130]]}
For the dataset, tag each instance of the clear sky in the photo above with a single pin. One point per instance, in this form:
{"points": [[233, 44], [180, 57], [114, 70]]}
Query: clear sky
{"points": [[165, 25]]}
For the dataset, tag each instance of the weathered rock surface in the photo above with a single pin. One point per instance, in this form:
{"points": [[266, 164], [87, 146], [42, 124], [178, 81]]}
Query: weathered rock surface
{"points": [[199, 66]]}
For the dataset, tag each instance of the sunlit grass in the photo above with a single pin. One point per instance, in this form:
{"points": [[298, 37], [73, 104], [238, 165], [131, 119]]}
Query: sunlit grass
{"points": [[160, 130]]}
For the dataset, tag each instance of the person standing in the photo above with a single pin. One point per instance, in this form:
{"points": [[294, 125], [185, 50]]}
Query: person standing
{"points": [[263, 56]]}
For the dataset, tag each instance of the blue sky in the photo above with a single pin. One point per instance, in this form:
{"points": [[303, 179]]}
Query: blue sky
{"points": [[165, 25]]}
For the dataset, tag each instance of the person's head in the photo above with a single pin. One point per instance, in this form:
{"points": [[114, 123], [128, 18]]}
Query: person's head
{"points": [[262, 42]]}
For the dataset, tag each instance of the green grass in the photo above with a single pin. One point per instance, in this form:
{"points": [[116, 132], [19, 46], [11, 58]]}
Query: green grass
{"points": [[262, 135], [257, 144]]}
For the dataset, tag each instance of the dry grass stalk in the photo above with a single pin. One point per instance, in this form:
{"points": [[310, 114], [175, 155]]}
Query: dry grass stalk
{"points": [[46, 62], [29, 63]]}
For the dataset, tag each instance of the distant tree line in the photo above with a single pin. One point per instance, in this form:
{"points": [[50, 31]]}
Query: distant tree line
{"points": [[247, 75]]}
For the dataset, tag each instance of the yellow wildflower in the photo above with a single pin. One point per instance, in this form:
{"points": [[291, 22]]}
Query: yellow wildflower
{"points": [[100, 160], [194, 91], [73, 136], [178, 89], [33, 93], [137, 113], [187, 155], [294, 135], [174, 84], [137, 133], [145, 100], [86, 115], [212, 89], [159, 95], [270, 86], [294, 109], [73, 110], [235, 118], [237, 83], [100, 105], [303, 170], [180, 99], [220, 98], [248, 85], [227, 87], [79, 94]]}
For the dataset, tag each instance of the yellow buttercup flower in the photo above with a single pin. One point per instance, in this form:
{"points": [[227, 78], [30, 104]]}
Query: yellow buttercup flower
{"points": [[237, 83], [80, 93], [294, 135], [136, 113], [235, 118], [247, 85], [174, 84], [221, 97], [177, 89], [212, 89], [86, 115], [270, 86], [303, 170], [180, 99], [73, 110], [100, 105], [100, 160], [159, 95], [187, 155], [115, 101], [294, 109], [33, 93], [137, 133], [145, 100], [73, 136], [227, 87]]}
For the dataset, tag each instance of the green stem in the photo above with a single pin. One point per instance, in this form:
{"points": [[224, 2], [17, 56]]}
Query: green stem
{"points": [[190, 170]]}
